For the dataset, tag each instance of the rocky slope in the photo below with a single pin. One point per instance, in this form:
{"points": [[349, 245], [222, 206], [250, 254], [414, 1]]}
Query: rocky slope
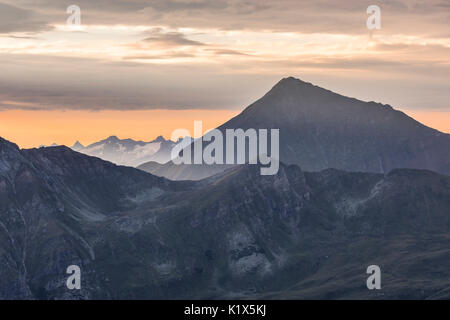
{"points": [[47, 196], [235, 235]]}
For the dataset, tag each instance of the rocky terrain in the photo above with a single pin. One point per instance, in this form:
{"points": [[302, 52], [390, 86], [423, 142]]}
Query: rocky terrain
{"points": [[234, 235]]}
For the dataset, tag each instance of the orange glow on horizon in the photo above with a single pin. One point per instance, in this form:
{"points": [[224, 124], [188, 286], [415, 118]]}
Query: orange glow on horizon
{"points": [[31, 129], [439, 120]]}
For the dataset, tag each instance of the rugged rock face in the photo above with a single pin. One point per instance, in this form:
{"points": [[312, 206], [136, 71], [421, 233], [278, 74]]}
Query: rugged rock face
{"points": [[237, 234], [47, 196], [320, 129]]}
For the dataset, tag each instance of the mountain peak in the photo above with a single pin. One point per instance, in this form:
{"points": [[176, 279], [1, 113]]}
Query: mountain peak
{"points": [[77, 145], [112, 138], [159, 139], [291, 81], [293, 98], [5, 144], [296, 89]]}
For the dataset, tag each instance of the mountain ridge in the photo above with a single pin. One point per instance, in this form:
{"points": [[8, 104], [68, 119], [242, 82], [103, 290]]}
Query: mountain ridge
{"points": [[321, 129], [128, 152], [235, 235]]}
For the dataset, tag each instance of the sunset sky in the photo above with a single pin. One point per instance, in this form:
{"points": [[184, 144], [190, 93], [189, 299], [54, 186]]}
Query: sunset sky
{"points": [[138, 69]]}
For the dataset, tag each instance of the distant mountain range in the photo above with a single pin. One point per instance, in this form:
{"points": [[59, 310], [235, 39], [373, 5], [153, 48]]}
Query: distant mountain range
{"points": [[52, 145], [320, 129], [129, 152], [234, 235]]}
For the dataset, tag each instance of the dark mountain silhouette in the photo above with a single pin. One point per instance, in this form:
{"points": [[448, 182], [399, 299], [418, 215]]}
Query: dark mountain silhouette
{"points": [[234, 235], [320, 129]]}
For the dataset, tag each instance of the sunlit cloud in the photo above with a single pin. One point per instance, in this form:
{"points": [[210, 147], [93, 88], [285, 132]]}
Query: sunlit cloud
{"points": [[135, 55]]}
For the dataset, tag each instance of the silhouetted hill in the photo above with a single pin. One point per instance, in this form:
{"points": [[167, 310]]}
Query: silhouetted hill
{"points": [[320, 129]]}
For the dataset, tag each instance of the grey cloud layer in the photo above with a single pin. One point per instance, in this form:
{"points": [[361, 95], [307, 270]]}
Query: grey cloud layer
{"points": [[69, 83], [15, 19], [399, 16], [65, 83], [46, 82], [170, 39]]}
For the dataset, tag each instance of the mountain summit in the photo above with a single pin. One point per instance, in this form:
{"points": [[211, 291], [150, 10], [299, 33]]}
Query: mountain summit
{"points": [[320, 129], [77, 146]]}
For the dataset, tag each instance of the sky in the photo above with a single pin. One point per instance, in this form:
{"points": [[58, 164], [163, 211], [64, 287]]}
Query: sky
{"points": [[139, 69]]}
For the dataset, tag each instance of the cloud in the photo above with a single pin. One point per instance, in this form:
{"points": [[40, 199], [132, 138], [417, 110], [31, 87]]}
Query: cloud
{"points": [[167, 56], [15, 19], [219, 53], [227, 52], [171, 39], [330, 16], [21, 37], [54, 83]]}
